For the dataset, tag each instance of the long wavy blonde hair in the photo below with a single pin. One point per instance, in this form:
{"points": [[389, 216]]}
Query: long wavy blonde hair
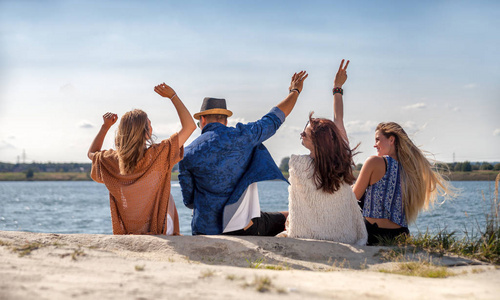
{"points": [[421, 182], [132, 139]]}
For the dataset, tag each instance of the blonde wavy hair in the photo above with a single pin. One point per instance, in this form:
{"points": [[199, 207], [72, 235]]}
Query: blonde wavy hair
{"points": [[421, 182], [132, 139]]}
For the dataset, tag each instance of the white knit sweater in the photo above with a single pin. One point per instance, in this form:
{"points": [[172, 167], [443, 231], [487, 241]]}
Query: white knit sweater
{"points": [[315, 214]]}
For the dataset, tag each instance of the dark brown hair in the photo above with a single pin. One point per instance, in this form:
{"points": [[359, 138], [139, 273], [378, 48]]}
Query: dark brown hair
{"points": [[333, 163]]}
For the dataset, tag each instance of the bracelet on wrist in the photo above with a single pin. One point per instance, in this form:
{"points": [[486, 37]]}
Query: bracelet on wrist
{"points": [[296, 90], [175, 95], [338, 90]]}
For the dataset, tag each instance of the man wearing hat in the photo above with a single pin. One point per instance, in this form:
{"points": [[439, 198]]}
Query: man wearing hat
{"points": [[221, 168]]}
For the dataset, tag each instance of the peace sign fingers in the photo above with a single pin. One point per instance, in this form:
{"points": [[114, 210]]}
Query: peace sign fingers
{"points": [[341, 76]]}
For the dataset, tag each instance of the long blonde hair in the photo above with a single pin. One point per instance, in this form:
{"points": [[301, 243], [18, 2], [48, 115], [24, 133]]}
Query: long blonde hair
{"points": [[421, 183], [131, 140]]}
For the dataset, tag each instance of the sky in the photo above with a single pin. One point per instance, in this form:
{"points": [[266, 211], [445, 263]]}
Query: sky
{"points": [[431, 66]]}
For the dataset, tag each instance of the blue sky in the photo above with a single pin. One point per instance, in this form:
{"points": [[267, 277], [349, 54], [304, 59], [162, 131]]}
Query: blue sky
{"points": [[432, 66]]}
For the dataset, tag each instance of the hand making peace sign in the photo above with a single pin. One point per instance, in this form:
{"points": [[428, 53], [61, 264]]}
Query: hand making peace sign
{"points": [[341, 76]]}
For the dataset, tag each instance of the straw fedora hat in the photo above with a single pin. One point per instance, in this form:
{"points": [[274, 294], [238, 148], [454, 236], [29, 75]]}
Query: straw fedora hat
{"points": [[213, 106]]}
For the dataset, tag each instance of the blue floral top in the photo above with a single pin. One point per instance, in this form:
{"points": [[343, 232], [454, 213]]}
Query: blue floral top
{"points": [[384, 199], [220, 164]]}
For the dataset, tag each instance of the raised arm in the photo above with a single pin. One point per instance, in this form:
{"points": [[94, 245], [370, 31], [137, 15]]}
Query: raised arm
{"points": [[287, 105], [108, 120], [187, 122], [338, 103]]}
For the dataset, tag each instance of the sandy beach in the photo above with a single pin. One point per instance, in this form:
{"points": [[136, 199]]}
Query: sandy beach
{"points": [[89, 266]]}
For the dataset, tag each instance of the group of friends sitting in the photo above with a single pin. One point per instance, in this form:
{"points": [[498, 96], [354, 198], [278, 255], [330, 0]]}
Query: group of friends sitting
{"points": [[219, 171]]}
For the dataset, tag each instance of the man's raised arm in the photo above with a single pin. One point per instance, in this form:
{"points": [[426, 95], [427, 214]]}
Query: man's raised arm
{"points": [[288, 103]]}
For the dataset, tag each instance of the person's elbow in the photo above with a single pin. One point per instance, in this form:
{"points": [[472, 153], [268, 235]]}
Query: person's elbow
{"points": [[189, 203], [191, 127], [357, 192], [90, 155]]}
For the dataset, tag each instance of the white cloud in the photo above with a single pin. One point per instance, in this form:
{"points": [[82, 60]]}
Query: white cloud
{"points": [[6, 145], [419, 105], [85, 124], [412, 128], [470, 86], [67, 89], [358, 126], [496, 132], [165, 129], [233, 121]]}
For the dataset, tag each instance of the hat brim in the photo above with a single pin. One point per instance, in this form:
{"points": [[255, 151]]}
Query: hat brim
{"points": [[213, 111]]}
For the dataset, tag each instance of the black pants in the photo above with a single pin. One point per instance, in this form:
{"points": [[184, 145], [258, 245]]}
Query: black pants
{"points": [[269, 224], [377, 235]]}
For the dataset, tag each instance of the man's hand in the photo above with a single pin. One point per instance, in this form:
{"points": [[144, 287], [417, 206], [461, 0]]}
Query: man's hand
{"points": [[341, 76], [109, 119], [165, 90], [298, 80]]}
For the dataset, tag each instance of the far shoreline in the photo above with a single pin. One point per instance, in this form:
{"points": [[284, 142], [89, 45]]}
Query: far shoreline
{"points": [[82, 176]]}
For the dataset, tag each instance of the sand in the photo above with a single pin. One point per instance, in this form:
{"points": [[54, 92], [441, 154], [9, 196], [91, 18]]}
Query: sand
{"points": [[89, 266]]}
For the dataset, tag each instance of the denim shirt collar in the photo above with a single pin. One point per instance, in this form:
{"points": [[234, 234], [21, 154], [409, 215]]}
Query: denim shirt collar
{"points": [[211, 127]]}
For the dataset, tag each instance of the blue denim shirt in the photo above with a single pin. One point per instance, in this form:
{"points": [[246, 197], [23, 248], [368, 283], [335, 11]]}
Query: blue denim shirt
{"points": [[221, 163]]}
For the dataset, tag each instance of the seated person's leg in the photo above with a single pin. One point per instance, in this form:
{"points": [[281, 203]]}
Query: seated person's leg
{"points": [[268, 224]]}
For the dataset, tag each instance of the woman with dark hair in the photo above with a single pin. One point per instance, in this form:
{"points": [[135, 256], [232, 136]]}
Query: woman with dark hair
{"points": [[322, 204]]}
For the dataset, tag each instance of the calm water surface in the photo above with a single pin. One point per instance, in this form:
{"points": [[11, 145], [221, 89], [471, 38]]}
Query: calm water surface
{"points": [[83, 207]]}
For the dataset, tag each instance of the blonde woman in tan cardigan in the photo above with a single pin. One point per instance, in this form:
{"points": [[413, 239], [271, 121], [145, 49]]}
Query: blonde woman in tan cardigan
{"points": [[137, 174]]}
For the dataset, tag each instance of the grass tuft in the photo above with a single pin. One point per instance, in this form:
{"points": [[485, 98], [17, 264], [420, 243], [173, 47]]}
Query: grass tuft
{"points": [[484, 246], [207, 274], [140, 268], [420, 269], [4, 243], [27, 248], [255, 264]]}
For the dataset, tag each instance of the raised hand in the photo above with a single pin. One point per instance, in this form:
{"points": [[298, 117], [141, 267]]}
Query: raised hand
{"points": [[298, 80], [341, 76], [165, 91], [109, 119]]}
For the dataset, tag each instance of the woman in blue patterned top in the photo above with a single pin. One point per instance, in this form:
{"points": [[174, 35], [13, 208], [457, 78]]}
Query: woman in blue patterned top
{"points": [[395, 185]]}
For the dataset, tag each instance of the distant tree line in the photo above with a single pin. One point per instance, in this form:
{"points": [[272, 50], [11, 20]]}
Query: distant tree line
{"points": [[465, 166], [50, 167], [45, 167]]}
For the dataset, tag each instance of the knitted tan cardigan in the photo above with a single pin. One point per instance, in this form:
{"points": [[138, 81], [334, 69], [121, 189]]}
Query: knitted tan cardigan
{"points": [[140, 201]]}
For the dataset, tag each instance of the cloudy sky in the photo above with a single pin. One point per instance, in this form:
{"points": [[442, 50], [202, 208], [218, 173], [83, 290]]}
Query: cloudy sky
{"points": [[432, 66]]}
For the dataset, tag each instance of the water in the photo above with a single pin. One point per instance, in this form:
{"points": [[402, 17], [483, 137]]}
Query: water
{"points": [[83, 207]]}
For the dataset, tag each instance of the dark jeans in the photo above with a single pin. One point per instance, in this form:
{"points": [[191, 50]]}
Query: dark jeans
{"points": [[269, 224], [377, 235]]}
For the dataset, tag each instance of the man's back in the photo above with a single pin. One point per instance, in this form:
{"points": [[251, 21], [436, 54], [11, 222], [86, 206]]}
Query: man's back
{"points": [[214, 164]]}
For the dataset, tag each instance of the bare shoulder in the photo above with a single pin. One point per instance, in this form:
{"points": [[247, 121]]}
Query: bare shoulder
{"points": [[374, 162]]}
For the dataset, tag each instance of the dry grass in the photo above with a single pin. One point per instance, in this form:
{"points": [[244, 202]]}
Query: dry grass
{"points": [[419, 269], [413, 264], [27, 248], [207, 274], [484, 246]]}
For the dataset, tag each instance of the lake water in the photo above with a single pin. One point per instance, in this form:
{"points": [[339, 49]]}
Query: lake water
{"points": [[83, 207]]}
